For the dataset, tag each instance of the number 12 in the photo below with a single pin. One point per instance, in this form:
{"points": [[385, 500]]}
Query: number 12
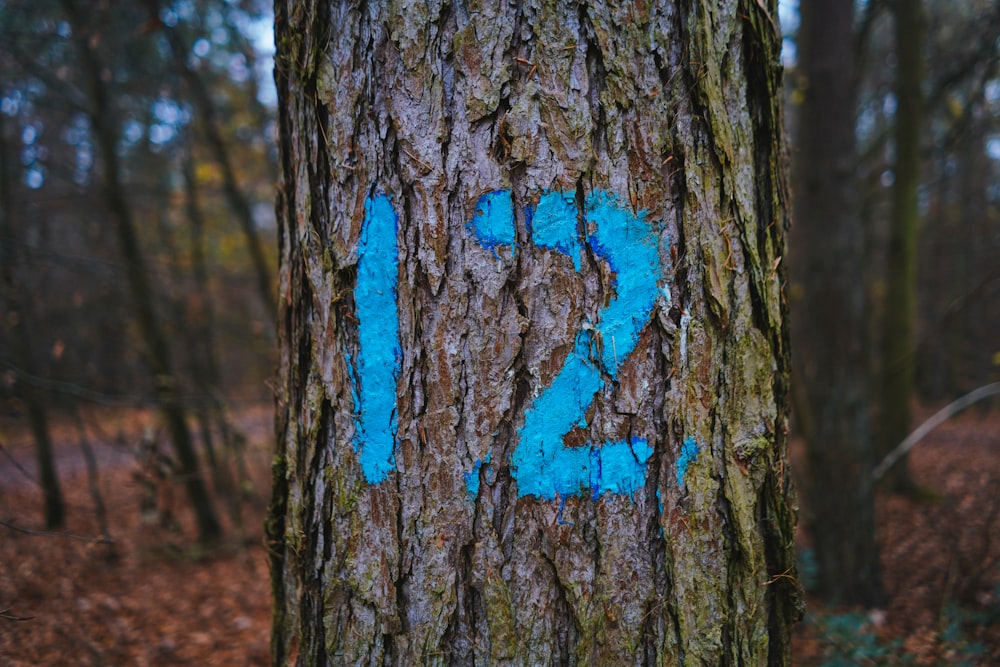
{"points": [[542, 465]]}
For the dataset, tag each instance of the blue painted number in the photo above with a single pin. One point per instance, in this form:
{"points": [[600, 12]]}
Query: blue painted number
{"points": [[378, 364], [542, 465]]}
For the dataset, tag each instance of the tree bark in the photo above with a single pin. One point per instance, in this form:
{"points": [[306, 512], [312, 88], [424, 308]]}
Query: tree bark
{"points": [[898, 342], [532, 386], [830, 324]]}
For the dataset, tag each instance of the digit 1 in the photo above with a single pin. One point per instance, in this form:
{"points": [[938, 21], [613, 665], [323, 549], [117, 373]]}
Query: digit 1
{"points": [[379, 356]]}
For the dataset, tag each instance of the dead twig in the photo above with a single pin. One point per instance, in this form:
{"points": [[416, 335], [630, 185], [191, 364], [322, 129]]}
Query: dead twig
{"points": [[17, 464], [939, 417], [50, 533], [7, 616]]}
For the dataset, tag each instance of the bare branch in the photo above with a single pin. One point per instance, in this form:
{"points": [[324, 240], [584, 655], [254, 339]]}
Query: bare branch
{"points": [[18, 465], [7, 616], [50, 533], [939, 417]]}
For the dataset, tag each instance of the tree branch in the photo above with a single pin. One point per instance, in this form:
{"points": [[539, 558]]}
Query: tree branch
{"points": [[50, 533], [939, 417]]}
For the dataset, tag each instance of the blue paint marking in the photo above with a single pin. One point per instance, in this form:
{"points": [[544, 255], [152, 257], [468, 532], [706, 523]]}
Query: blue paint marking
{"points": [[630, 247], [622, 467], [378, 363], [472, 477], [493, 223], [554, 225], [529, 213], [545, 467], [542, 464], [688, 455]]}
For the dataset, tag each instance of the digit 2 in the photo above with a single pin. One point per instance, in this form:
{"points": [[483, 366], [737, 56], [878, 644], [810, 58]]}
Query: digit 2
{"points": [[542, 465]]}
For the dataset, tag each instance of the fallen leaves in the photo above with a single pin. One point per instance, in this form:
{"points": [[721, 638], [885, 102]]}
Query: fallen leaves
{"points": [[155, 600]]}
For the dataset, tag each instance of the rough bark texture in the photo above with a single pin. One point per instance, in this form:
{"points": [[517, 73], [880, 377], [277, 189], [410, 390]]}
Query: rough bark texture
{"points": [[831, 319], [666, 112], [899, 338]]}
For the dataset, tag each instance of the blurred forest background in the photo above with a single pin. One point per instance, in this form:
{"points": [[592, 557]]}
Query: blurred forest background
{"points": [[138, 287], [137, 181]]}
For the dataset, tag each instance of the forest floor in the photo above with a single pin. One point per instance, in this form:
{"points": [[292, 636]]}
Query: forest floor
{"points": [[151, 598], [940, 556]]}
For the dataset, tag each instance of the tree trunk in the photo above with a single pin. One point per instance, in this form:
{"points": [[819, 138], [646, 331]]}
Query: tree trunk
{"points": [[159, 356], [205, 369], [234, 195], [898, 343], [533, 373], [22, 355], [830, 323]]}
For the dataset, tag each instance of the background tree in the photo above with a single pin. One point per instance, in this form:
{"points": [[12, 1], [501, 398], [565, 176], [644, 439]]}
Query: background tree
{"points": [[955, 211], [957, 295], [103, 117], [18, 321], [235, 196], [830, 313], [532, 388], [899, 337], [955, 249]]}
